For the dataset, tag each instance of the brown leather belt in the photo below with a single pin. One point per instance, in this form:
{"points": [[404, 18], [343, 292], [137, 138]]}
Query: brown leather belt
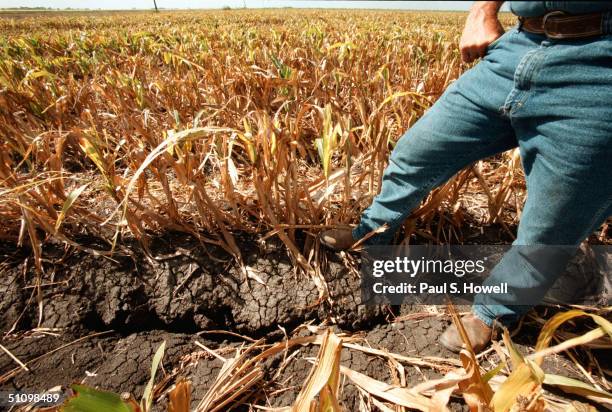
{"points": [[560, 25]]}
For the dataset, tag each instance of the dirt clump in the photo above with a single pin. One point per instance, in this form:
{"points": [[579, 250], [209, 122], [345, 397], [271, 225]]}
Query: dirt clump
{"points": [[103, 319], [182, 289]]}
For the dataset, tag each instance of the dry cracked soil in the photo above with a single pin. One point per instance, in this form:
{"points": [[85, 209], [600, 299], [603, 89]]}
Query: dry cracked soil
{"points": [[102, 319]]}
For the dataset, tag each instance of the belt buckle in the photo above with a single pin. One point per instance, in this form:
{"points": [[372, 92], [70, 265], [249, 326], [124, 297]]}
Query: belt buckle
{"points": [[545, 21]]}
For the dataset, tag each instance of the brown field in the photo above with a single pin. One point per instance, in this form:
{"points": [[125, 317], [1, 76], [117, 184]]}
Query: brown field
{"points": [[164, 177]]}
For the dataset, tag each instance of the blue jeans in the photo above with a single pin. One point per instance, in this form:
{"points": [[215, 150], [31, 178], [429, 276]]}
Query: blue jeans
{"points": [[552, 99]]}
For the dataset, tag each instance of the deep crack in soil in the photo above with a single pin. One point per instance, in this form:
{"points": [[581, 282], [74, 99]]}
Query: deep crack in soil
{"points": [[188, 289]]}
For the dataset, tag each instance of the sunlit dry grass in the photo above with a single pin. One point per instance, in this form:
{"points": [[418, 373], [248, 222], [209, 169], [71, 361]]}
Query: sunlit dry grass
{"points": [[298, 110], [265, 122]]}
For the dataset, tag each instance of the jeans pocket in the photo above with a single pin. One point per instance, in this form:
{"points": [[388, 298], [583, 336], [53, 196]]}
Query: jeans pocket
{"points": [[497, 41]]}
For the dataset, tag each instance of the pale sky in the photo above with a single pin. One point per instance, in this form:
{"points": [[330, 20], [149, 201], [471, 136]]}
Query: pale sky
{"points": [[205, 4]]}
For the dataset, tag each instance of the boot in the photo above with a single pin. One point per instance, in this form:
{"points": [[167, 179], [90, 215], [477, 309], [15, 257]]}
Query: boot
{"points": [[479, 333], [337, 239]]}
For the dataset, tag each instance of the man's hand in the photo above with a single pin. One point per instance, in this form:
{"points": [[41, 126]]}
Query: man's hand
{"points": [[481, 29]]}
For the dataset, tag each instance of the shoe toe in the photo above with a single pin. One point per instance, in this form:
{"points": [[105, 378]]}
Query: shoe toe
{"points": [[337, 239], [477, 331]]}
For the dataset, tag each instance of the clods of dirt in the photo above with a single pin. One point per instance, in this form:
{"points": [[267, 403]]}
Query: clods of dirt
{"points": [[103, 319], [182, 289]]}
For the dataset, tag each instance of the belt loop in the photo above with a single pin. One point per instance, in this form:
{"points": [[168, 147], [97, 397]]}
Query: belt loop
{"points": [[606, 23], [521, 21]]}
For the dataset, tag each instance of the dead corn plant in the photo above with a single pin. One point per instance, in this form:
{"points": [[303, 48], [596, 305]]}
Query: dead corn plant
{"points": [[117, 126]]}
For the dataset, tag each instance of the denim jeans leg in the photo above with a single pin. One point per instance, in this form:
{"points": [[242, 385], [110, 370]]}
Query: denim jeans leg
{"points": [[464, 125], [565, 138]]}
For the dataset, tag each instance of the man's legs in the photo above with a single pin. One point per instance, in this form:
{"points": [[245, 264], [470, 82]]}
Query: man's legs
{"points": [[561, 113], [464, 125]]}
